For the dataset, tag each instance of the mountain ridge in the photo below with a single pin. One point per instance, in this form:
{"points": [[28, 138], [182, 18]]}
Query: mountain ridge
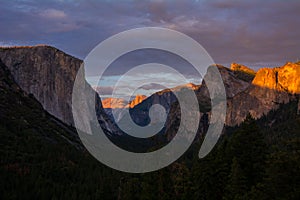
{"points": [[49, 75], [114, 103]]}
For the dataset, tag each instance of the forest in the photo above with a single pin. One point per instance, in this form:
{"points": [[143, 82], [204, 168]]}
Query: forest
{"points": [[41, 159]]}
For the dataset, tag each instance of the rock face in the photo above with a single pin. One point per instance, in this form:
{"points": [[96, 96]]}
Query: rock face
{"points": [[165, 98], [285, 78], [242, 71], [45, 72], [233, 83], [247, 92], [242, 68], [19, 109], [115, 103], [269, 88], [48, 74], [138, 99]]}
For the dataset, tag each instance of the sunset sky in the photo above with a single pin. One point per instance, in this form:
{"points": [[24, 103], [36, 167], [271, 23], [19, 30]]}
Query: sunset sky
{"points": [[254, 33]]}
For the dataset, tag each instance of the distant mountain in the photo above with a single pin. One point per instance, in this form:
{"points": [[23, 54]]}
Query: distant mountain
{"points": [[138, 99], [247, 92], [114, 103], [48, 74], [139, 106]]}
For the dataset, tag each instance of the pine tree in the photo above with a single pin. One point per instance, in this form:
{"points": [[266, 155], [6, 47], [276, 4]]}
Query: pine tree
{"points": [[248, 147], [236, 187]]}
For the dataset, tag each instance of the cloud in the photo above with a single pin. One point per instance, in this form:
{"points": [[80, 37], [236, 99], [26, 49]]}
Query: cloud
{"points": [[104, 90], [53, 14], [146, 83], [152, 86], [255, 33], [232, 31]]}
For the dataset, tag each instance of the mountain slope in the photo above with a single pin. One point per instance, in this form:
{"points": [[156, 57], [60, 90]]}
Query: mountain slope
{"points": [[113, 103], [45, 72], [41, 157], [257, 95], [269, 88], [49, 74]]}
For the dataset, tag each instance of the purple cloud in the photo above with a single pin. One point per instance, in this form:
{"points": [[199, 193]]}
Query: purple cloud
{"points": [[249, 32]]}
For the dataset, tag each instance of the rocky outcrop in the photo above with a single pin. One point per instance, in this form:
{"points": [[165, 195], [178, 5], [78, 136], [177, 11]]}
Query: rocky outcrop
{"points": [[235, 84], [114, 103], [243, 72], [263, 92], [242, 68], [257, 95], [232, 82], [49, 74], [285, 78], [269, 88], [45, 72], [138, 99], [165, 98], [256, 101]]}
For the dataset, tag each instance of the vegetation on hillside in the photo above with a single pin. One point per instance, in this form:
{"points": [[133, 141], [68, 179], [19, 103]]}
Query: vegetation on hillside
{"points": [[43, 159]]}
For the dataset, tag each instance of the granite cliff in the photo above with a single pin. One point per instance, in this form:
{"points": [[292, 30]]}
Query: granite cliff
{"points": [[49, 74], [45, 72], [285, 78], [269, 88]]}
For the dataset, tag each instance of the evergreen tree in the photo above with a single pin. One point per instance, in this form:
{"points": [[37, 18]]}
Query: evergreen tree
{"points": [[236, 187], [247, 146]]}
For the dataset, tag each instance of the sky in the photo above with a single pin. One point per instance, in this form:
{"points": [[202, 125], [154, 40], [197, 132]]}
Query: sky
{"points": [[254, 33]]}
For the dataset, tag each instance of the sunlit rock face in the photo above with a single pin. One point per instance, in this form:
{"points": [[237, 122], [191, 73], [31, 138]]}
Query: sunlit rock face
{"points": [[242, 68], [270, 87], [138, 99], [114, 103], [285, 78]]}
